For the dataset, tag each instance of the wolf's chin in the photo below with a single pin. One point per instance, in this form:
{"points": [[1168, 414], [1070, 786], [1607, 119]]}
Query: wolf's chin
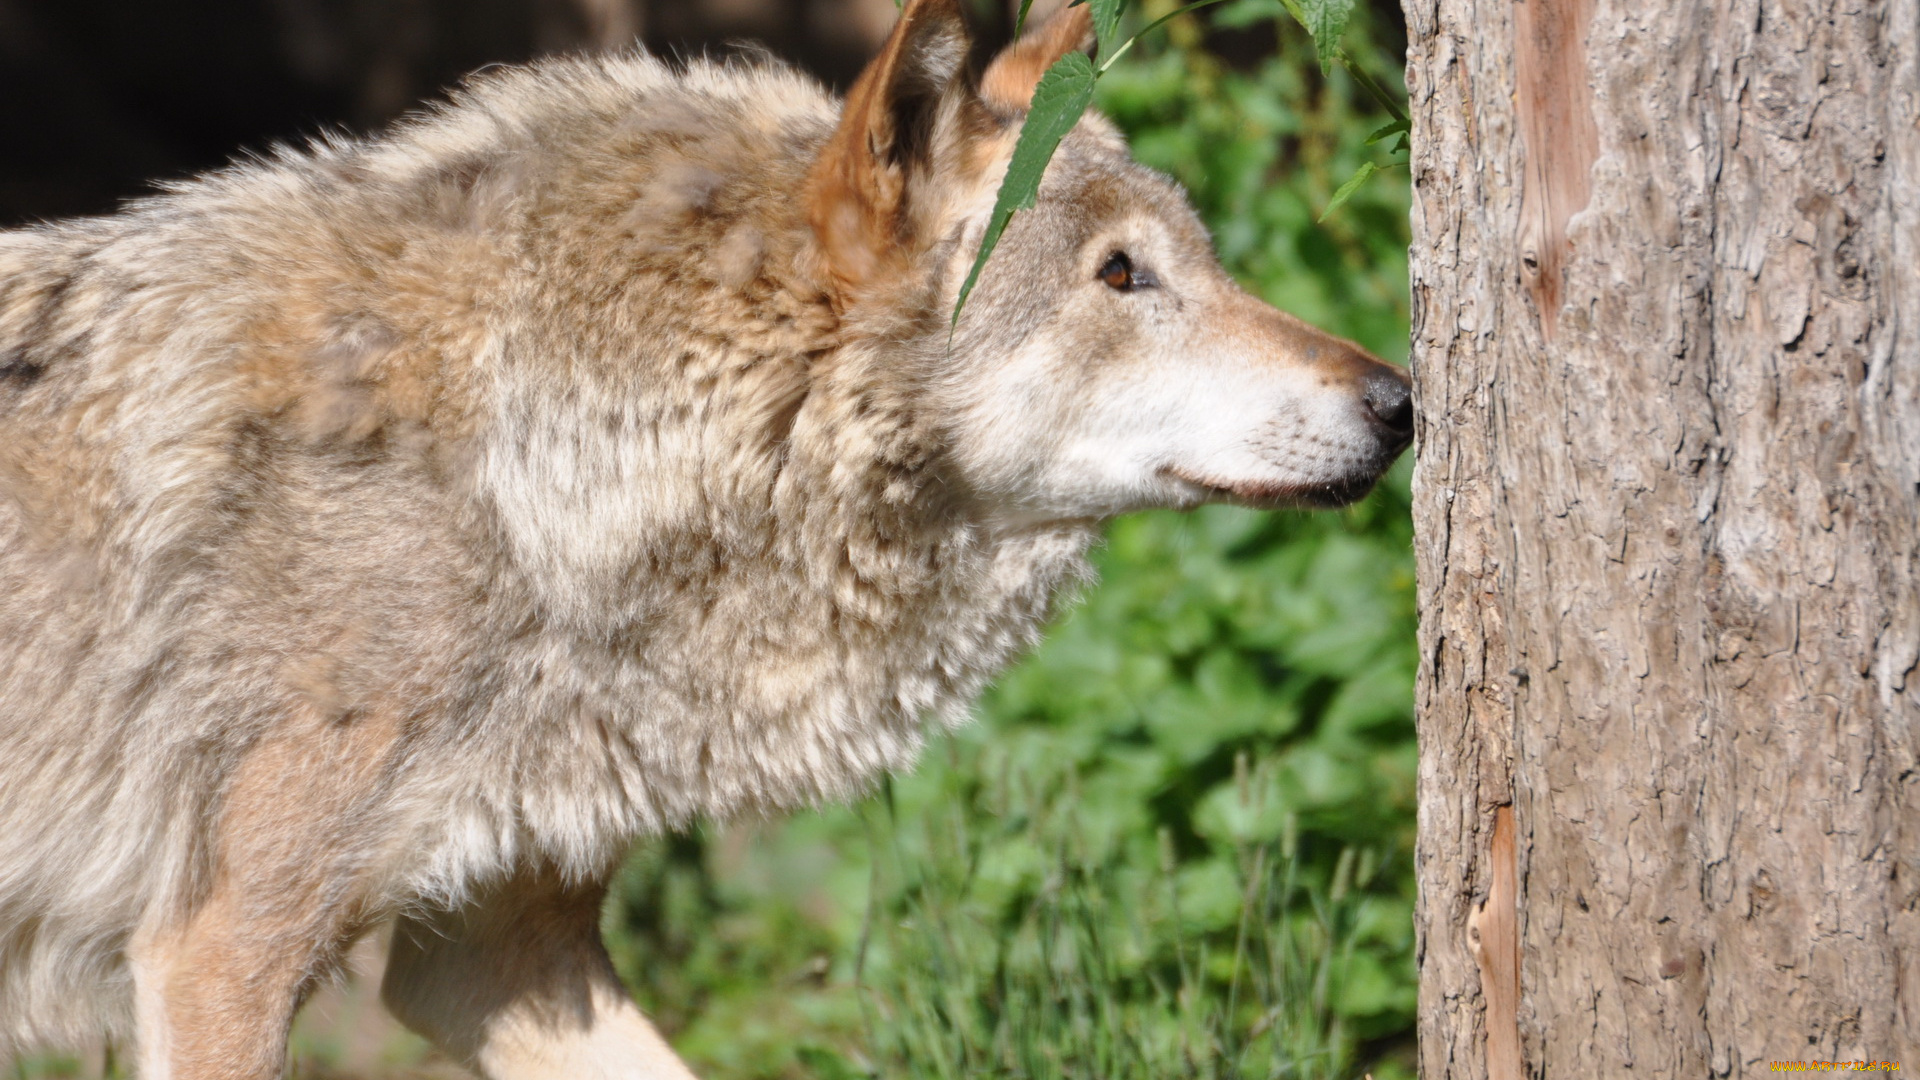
{"points": [[1274, 495]]}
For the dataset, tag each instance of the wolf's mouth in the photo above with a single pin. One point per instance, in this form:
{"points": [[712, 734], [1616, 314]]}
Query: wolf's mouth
{"points": [[1267, 496]]}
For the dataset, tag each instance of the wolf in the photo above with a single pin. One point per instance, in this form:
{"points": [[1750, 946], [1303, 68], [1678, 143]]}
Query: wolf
{"points": [[393, 530]]}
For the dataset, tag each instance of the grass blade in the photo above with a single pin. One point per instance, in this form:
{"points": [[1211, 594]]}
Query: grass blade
{"points": [[1020, 20]]}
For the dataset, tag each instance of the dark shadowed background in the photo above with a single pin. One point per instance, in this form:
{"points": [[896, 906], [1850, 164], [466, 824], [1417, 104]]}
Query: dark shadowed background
{"points": [[97, 97]]}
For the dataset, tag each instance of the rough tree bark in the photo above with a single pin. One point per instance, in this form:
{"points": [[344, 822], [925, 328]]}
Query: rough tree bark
{"points": [[1667, 350]]}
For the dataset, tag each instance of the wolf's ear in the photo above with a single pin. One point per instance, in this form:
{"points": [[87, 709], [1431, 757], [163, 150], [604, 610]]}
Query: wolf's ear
{"points": [[1010, 79], [859, 190]]}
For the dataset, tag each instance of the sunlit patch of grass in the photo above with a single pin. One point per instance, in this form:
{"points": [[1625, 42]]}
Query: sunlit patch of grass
{"points": [[1007, 940]]}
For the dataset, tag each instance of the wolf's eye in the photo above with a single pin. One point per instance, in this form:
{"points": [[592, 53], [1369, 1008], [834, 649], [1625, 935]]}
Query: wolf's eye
{"points": [[1118, 272]]}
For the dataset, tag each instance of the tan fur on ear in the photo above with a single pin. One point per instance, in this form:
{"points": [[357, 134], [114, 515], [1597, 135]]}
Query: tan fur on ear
{"points": [[1010, 79], [856, 190]]}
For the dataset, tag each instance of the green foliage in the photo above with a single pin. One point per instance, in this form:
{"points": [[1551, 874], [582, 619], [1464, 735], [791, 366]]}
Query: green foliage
{"points": [[1018, 934], [1327, 20], [1178, 845]]}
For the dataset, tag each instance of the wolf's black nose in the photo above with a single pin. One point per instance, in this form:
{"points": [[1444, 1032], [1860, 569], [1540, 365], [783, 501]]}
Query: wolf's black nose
{"points": [[1390, 399]]}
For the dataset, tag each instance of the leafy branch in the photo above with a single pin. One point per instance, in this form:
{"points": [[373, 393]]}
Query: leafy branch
{"points": [[1326, 20], [1065, 91]]}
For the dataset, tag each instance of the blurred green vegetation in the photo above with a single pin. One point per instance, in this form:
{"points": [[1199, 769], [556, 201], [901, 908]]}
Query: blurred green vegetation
{"points": [[1178, 840]]}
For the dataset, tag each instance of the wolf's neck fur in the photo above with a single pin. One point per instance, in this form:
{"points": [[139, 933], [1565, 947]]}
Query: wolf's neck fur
{"points": [[721, 495]]}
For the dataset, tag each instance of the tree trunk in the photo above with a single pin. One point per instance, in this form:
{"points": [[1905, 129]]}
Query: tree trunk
{"points": [[1666, 294]]}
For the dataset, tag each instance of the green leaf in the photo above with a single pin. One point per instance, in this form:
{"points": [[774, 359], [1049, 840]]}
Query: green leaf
{"points": [[1059, 101], [1326, 20], [1020, 20], [1397, 127], [1106, 23], [1346, 190]]}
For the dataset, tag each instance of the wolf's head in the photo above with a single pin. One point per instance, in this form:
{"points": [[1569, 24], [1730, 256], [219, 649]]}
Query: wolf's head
{"points": [[1105, 362]]}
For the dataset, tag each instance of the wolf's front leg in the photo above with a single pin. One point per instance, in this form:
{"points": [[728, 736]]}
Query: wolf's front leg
{"points": [[517, 985], [214, 997], [287, 888]]}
